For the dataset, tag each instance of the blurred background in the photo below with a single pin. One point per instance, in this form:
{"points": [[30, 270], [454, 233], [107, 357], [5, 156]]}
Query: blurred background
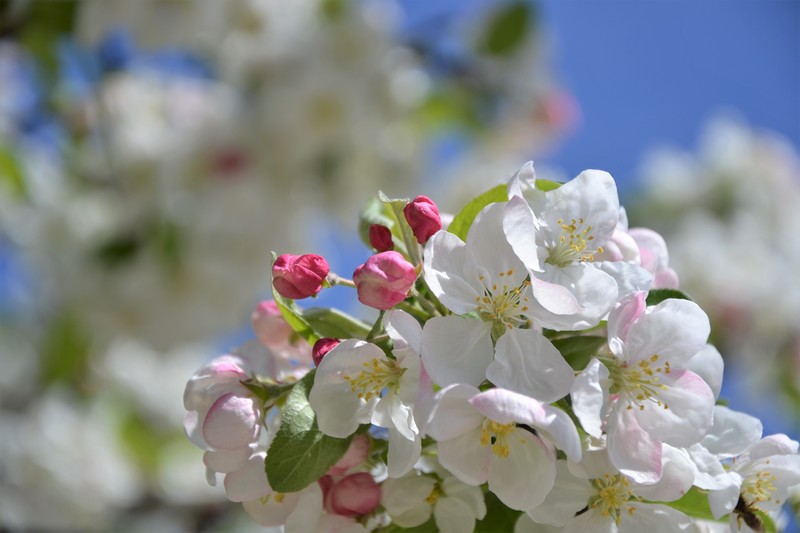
{"points": [[153, 153]]}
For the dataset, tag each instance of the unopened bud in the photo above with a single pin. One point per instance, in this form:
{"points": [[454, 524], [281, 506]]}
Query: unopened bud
{"points": [[356, 454], [423, 217], [322, 347], [380, 237], [384, 280], [299, 276], [355, 495], [272, 330]]}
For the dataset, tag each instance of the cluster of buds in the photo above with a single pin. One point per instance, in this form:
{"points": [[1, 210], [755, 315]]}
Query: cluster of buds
{"points": [[537, 350]]}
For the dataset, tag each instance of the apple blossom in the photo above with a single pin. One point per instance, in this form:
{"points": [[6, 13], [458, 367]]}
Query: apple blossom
{"points": [[299, 276], [422, 215], [270, 327], [353, 495], [384, 280]]}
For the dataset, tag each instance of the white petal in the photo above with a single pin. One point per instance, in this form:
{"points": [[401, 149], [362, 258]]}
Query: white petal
{"points": [[686, 413], [709, 472], [631, 449], [732, 432], [226, 461], [466, 458], [526, 362], [674, 329], [268, 512], [404, 330], [523, 479], [653, 518], [453, 516], [308, 511], [723, 501], [391, 413], [630, 278], [445, 260], [568, 497], [405, 497], [708, 364], [778, 444], [489, 249], [594, 290], [676, 479], [589, 398], [592, 522], [456, 350], [525, 524], [403, 453], [249, 482], [470, 495], [520, 227], [452, 413]]}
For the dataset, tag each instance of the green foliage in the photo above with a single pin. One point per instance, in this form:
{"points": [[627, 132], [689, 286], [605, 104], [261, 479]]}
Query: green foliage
{"points": [[47, 21], [463, 220], [300, 453], [334, 323], [11, 174], [507, 29], [547, 185], [386, 212], [767, 522], [498, 516], [65, 351], [656, 296], [578, 351], [695, 504]]}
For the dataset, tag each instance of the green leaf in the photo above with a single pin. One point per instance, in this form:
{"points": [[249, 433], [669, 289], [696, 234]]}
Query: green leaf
{"points": [[695, 504], [507, 29], [11, 174], [578, 351], [463, 220], [547, 185], [300, 453], [386, 212], [334, 323], [656, 296], [65, 350], [766, 521], [498, 516], [293, 317]]}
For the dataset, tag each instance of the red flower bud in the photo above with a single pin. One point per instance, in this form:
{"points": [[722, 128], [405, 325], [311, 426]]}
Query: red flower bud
{"points": [[355, 495], [380, 237], [322, 347], [384, 280], [299, 276], [423, 217]]}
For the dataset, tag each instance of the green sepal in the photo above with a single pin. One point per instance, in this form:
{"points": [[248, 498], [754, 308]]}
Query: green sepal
{"points": [[578, 351], [300, 453], [463, 220], [656, 296], [694, 504], [292, 316], [334, 323], [547, 185]]}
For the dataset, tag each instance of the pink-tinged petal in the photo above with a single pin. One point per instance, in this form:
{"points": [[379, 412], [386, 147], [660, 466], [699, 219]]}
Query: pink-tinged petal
{"points": [[249, 482], [685, 412], [589, 399], [453, 516], [674, 329], [355, 495], [676, 479], [403, 453], [622, 317], [466, 458], [523, 478], [232, 422], [554, 298], [778, 444], [452, 414], [666, 279], [457, 350], [526, 362], [594, 290], [631, 449], [568, 497], [357, 452], [227, 461], [520, 227], [444, 264], [708, 364], [505, 407], [654, 518], [732, 433], [193, 429]]}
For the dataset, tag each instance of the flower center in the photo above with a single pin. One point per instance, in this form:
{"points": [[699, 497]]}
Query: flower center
{"points": [[639, 383], [436, 493], [504, 307], [377, 375], [612, 494], [759, 488], [572, 244], [277, 496], [495, 435]]}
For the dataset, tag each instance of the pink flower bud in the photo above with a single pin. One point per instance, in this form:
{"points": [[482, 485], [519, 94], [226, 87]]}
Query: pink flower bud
{"points": [[423, 217], [380, 237], [269, 325], [299, 276], [355, 495], [384, 280], [322, 347], [355, 456]]}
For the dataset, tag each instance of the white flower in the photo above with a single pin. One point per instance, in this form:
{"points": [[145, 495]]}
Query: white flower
{"points": [[411, 499], [560, 235], [485, 278], [356, 383], [641, 393], [482, 437], [594, 496]]}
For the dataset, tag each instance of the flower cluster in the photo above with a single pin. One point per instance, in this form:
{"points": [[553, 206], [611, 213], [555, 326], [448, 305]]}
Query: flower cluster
{"points": [[532, 362]]}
